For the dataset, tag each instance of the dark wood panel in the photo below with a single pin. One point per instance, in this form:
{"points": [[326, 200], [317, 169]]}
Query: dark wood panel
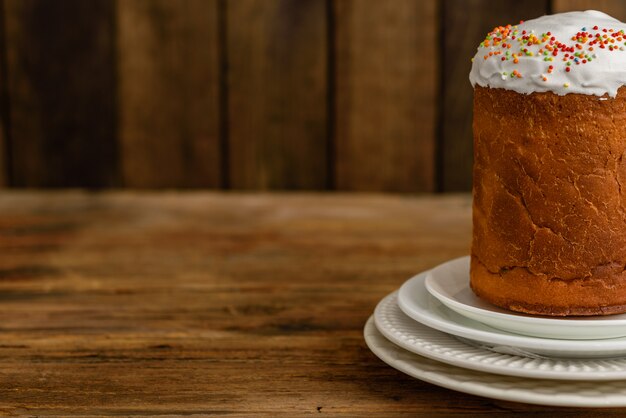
{"points": [[464, 30], [61, 82], [386, 87], [277, 93], [4, 102], [616, 8], [168, 72]]}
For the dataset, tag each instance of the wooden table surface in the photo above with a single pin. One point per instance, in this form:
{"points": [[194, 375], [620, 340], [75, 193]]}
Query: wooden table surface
{"points": [[133, 303]]}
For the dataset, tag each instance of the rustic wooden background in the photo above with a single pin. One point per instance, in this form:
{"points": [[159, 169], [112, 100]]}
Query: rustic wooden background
{"points": [[245, 94]]}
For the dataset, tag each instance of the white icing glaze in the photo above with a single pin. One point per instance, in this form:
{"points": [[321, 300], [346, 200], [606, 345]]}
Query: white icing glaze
{"points": [[605, 73]]}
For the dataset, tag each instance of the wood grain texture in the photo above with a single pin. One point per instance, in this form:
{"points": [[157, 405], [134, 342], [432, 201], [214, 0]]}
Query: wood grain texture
{"points": [[277, 94], [61, 82], [4, 103], [168, 74], [195, 303], [386, 88], [464, 31], [615, 8]]}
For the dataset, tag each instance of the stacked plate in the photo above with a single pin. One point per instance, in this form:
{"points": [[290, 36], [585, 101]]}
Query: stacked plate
{"points": [[435, 329]]}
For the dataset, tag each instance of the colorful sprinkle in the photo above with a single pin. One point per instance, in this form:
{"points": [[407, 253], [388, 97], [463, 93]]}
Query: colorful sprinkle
{"points": [[508, 43]]}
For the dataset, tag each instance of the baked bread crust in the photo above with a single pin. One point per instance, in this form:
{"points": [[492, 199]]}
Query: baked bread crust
{"points": [[549, 194]]}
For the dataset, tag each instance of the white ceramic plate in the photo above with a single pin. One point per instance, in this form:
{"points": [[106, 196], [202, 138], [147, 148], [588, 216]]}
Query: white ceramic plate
{"points": [[449, 282], [416, 302], [420, 339], [508, 388]]}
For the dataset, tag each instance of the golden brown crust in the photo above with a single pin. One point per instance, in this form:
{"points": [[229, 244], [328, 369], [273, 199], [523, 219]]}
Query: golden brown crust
{"points": [[517, 290], [549, 215]]}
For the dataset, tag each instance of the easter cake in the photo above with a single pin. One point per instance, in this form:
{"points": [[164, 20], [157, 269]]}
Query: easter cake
{"points": [[549, 177]]}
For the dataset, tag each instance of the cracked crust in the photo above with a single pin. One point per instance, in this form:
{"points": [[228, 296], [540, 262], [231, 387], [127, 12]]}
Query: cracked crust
{"points": [[549, 217], [521, 291]]}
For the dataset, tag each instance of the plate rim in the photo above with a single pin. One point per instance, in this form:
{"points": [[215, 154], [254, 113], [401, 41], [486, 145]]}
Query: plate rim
{"points": [[495, 336], [485, 367], [482, 388], [560, 322]]}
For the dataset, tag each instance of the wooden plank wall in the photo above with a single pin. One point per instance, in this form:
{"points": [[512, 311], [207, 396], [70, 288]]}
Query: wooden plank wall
{"points": [[277, 94], [616, 8], [4, 105], [386, 87], [62, 92], [363, 95], [169, 124]]}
